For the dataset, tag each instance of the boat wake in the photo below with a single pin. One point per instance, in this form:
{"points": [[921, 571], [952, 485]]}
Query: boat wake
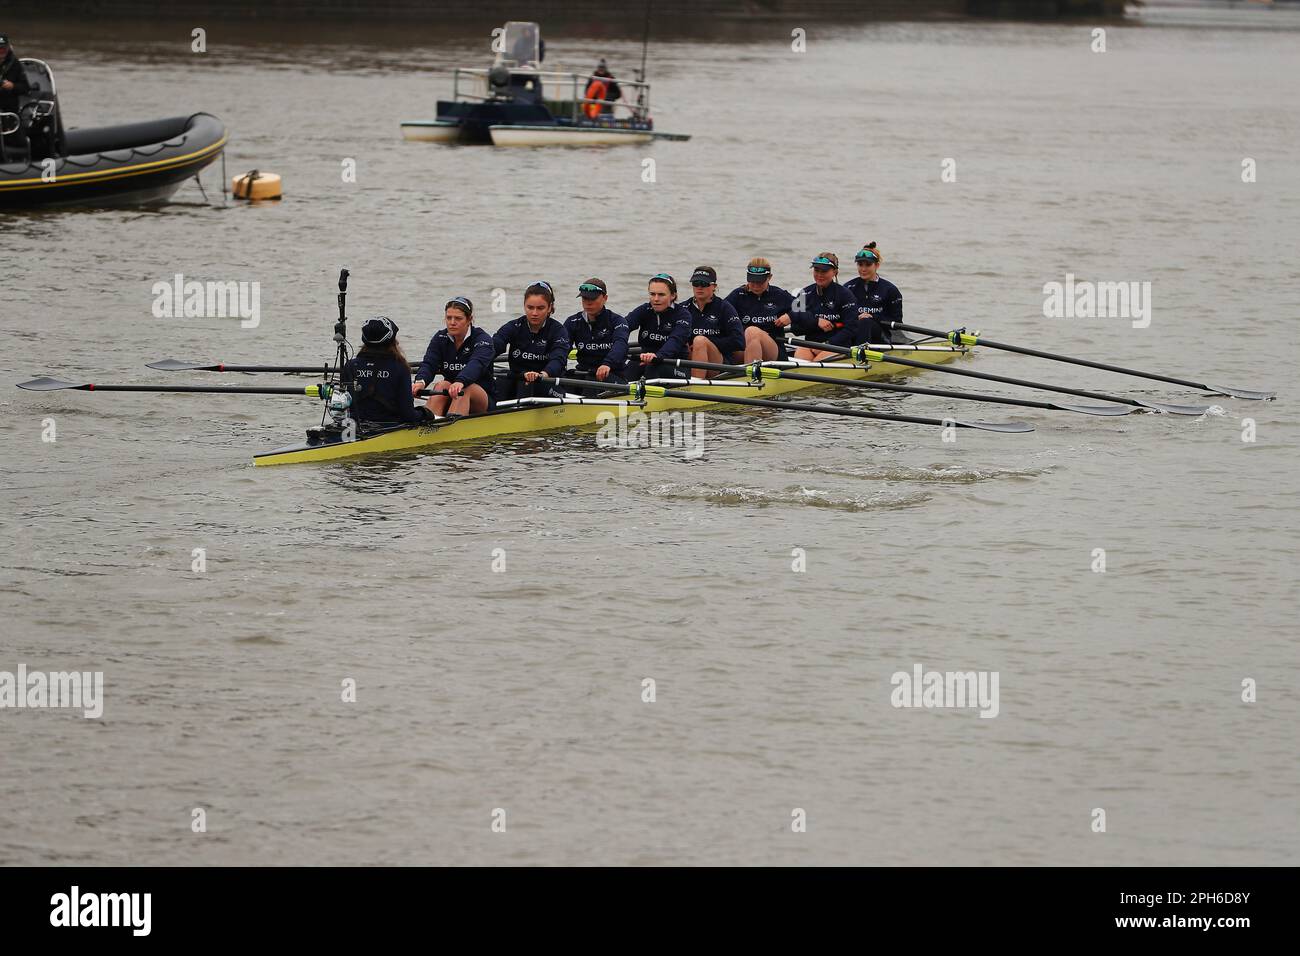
{"points": [[792, 495], [937, 474]]}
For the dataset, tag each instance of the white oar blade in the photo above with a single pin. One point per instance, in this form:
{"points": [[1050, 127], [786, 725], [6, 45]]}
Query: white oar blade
{"points": [[46, 384], [1009, 427], [1242, 393], [1174, 409], [175, 365], [1096, 409]]}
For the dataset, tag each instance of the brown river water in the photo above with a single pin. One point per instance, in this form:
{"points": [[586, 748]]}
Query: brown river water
{"points": [[521, 690]]}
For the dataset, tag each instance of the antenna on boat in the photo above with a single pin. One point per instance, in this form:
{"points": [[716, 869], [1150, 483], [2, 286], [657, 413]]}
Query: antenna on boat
{"points": [[339, 398], [645, 43], [341, 326]]}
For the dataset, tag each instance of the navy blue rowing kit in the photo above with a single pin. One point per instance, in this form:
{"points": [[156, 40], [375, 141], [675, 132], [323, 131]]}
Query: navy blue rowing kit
{"points": [[718, 322], [835, 304], [546, 350], [878, 300], [667, 334], [471, 364], [602, 342], [381, 388], [762, 311]]}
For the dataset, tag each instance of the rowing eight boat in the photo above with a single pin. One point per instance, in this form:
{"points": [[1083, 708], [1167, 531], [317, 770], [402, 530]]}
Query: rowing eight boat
{"points": [[543, 414]]}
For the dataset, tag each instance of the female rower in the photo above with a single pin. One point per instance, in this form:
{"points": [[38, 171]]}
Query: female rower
{"points": [[380, 378], [878, 299], [764, 311], [663, 329], [716, 332], [826, 311], [598, 335], [536, 344], [462, 354]]}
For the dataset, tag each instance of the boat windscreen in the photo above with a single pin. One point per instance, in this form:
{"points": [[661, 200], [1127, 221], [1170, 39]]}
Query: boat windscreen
{"points": [[521, 44]]}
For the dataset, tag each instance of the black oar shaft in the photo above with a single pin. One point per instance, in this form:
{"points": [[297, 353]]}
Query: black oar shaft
{"points": [[970, 339], [879, 386], [709, 398], [806, 407], [986, 376], [53, 385], [215, 389]]}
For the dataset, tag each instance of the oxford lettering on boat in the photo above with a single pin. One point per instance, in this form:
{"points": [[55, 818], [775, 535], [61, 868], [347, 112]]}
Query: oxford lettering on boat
{"points": [[74, 908], [207, 300], [52, 690]]}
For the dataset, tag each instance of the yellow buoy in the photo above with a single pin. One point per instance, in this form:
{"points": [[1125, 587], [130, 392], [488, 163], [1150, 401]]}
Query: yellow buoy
{"points": [[256, 184]]}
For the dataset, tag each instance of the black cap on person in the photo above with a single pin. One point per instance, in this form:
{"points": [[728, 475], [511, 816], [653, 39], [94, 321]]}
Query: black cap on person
{"points": [[378, 330], [704, 274]]}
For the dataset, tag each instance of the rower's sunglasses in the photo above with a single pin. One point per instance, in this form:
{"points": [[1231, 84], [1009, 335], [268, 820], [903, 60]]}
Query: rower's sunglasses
{"points": [[588, 287], [867, 257], [701, 283]]}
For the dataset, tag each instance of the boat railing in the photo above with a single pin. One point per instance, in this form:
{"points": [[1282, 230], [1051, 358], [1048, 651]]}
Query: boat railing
{"points": [[471, 83]]}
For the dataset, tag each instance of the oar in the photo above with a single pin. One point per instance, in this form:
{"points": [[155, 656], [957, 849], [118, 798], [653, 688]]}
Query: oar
{"points": [[46, 384], [962, 337], [757, 371], [632, 351], [175, 365], [639, 390], [860, 353]]}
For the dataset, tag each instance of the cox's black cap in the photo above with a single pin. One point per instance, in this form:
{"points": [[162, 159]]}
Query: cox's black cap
{"points": [[592, 289], [704, 275], [378, 330]]}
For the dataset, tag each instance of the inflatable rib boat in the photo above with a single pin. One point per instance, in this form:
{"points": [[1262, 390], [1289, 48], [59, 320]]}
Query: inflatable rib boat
{"points": [[109, 165]]}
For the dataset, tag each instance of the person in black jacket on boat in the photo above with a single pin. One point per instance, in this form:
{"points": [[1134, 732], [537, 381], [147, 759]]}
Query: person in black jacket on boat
{"points": [[380, 378], [13, 84]]}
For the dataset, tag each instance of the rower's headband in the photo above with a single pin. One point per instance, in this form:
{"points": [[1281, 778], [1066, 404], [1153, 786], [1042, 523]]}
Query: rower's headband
{"points": [[465, 305], [665, 277]]}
